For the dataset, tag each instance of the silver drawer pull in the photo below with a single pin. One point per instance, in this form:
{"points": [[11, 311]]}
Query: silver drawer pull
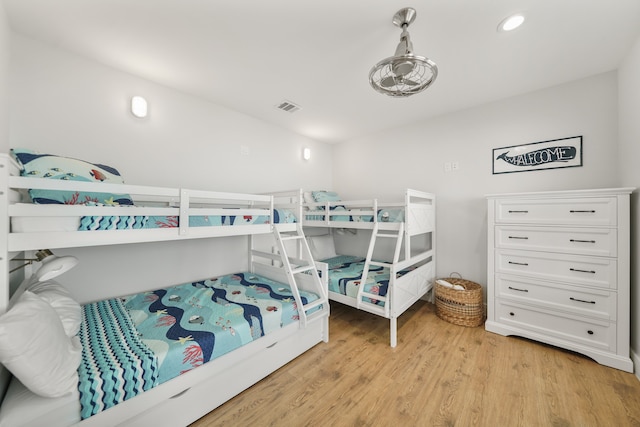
{"points": [[519, 237], [572, 211], [518, 263], [581, 300], [582, 271], [519, 290], [582, 241], [518, 211]]}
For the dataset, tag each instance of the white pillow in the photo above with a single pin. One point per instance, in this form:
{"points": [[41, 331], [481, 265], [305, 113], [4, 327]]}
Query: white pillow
{"points": [[322, 247], [60, 299], [36, 349], [308, 197]]}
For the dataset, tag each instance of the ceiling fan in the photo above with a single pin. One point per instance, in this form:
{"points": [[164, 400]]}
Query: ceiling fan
{"points": [[403, 74]]}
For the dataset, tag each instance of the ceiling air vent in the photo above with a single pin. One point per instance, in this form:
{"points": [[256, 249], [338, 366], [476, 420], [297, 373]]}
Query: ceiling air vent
{"points": [[288, 106]]}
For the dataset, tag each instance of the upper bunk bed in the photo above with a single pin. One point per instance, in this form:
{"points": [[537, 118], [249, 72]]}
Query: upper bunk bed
{"points": [[42, 210], [415, 212], [53, 202], [388, 278]]}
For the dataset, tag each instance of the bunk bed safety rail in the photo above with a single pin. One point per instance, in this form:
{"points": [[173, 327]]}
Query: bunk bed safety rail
{"points": [[420, 212], [157, 214], [290, 201]]}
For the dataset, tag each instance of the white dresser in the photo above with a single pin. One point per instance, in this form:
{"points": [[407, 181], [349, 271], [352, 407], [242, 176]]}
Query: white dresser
{"points": [[558, 270]]}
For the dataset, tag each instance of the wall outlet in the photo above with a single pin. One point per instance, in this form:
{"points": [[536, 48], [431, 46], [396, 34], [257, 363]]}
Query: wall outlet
{"points": [[447, 166], [455, 166], [244, 150]]}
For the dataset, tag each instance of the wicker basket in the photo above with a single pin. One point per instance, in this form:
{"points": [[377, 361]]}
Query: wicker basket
{"points": [[460, 307]]}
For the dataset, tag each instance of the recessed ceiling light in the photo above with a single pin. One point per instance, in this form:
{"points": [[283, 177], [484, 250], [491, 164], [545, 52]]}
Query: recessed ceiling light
{"points": [[511, 22]]}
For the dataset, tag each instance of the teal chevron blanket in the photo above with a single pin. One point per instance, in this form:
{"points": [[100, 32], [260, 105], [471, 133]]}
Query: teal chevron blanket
{"points": [[116, 365]]}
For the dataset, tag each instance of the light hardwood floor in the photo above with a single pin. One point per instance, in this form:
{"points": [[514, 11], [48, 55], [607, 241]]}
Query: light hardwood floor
{"points": [[439, 375]]}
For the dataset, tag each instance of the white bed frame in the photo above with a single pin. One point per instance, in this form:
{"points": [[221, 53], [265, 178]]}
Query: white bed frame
{"points": [[420, 219], [188, 397]]}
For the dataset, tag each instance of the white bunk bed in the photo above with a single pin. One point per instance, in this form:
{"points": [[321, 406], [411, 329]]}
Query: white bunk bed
{"points": [[410, 268], [191, 395]]}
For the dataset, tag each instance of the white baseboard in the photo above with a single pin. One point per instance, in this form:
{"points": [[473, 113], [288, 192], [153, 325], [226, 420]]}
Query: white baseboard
{"points": [[635, 357]]}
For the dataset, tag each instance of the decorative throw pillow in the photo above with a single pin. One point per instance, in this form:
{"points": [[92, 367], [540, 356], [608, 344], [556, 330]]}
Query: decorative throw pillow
{"points": [[68, 309], [326, 196], [322, 247], [56, 167], [36, 349]]}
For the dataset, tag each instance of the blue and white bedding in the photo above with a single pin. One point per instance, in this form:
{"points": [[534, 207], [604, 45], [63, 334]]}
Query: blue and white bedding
{"points": [[317, 213], [168, 332], [134, 222], [345, 277], [116, 365], [383, 215]]}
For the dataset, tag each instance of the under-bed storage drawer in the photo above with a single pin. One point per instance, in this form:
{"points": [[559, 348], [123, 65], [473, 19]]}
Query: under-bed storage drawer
{"points": [[586, 211], [584, 241], [598, 303], [581, 330], [215, 388]]}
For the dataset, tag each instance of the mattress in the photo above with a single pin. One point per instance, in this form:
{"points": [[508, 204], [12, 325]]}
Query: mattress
{"points": [[183, 326], [340, 213], [129, 222], [345, 277]]}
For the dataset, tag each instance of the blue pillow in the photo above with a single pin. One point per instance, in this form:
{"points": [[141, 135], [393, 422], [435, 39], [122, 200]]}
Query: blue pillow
{"points": [[56, 167], [325, 196]]}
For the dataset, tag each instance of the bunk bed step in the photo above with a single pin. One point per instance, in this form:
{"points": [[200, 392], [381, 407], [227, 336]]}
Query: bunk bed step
{"points": [[314, 304], [374, 296], [302, 269], [291, 237], [380, 264]]}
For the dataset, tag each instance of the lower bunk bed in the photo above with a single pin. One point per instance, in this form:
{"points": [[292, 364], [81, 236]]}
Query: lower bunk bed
{"points": [[399, 266], [168, 357], [53, 202], [384, 289]]}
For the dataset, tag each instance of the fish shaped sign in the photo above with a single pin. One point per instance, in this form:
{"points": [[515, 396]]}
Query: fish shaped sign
{"points": [[553, 154]]}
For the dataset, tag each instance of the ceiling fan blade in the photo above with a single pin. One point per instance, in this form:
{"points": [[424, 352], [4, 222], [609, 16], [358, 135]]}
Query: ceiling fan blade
{"points": [[409, 82], [388, 81]]}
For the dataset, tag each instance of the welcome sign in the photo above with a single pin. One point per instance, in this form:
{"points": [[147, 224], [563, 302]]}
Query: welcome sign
{"points": [[553, 154]]}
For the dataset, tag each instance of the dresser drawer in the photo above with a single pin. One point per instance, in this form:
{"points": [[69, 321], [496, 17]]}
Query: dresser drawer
{"points": [[585, 211], [577, 269], [592, 302], [583, 241], [582, 330]]}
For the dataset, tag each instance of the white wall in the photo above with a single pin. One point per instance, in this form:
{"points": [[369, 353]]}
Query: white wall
{"points": [[413, 157], [629, 115], [4, 80], [73, 106], [64, 104]]}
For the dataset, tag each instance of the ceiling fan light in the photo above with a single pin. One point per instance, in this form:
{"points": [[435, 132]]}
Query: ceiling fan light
{"points": [[404, 74]]}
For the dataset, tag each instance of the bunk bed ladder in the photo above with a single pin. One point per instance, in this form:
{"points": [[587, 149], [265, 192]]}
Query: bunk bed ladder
{"points": [[303, 264], [375, 234]]}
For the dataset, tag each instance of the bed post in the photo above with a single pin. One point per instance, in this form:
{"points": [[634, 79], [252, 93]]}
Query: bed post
{"points": [[4, 231], [5, 376], [393, 330]]}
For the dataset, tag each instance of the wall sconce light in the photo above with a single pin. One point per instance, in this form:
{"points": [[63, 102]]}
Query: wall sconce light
{"points": [[306, 153], [139, 106], [52, 265]]}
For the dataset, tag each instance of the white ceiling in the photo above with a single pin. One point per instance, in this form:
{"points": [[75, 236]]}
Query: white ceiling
{"points": [[249, 55]]}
